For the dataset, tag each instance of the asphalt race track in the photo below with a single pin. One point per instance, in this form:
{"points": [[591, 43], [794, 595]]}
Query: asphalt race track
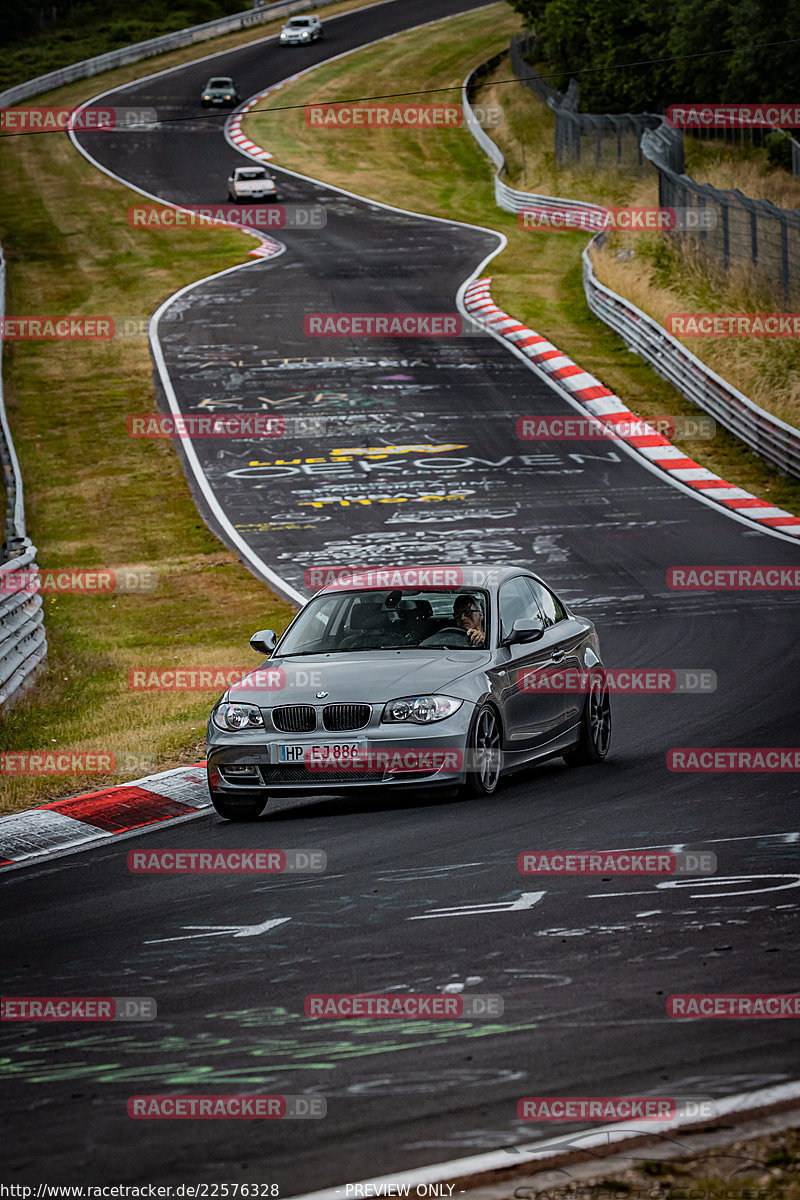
{"points": [[585, 967]]}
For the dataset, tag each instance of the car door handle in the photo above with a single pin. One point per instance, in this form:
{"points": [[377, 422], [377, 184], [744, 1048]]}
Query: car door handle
{"points": [[557, 656]]}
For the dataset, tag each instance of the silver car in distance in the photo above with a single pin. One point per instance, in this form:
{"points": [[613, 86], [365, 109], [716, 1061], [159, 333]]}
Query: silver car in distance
{"points": [[424, 679]]}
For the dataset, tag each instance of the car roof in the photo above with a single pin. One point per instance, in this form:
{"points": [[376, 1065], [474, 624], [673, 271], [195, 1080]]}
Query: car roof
{"points": [[475, 576]]}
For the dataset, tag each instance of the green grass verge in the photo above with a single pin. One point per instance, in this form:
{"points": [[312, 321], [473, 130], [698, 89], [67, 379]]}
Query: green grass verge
{"points": [[94, 496], [765, 1167], [443, 172]]}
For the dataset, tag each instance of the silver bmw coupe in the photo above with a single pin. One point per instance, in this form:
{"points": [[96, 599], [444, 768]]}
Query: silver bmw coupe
{"points": [[428, 679]]}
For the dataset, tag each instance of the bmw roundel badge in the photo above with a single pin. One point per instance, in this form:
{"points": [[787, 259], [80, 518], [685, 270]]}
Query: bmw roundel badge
{"points": [[320, 695]]}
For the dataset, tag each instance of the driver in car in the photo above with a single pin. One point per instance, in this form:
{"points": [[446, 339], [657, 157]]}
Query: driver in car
{"points": [[469, 617]]}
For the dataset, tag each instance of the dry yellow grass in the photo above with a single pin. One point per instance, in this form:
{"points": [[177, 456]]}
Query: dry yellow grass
{"points": [[766, 370], [98, 498], [743, 167], [652, 271]]}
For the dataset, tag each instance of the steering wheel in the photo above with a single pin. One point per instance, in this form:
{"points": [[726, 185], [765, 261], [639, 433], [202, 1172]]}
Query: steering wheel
{"points": [[449, 629]]}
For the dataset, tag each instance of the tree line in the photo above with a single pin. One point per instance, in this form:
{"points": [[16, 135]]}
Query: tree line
{"points": [[26, 19], [677, 42]]}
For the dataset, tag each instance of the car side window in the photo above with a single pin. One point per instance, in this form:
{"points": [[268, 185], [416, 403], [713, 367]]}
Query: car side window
{"points": [[515, 602], [551, 607]]}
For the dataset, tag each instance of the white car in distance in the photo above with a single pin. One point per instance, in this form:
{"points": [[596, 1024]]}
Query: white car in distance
{"points": [[251, 183], [298, 31]]}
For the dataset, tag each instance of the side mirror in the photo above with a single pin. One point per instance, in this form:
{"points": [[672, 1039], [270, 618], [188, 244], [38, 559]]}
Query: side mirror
{"points": [[527, 629], [264, 642]]}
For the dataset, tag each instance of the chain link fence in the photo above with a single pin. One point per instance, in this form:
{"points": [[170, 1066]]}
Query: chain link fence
{"points": [[583, 139], [754, 238], [767, 435]]}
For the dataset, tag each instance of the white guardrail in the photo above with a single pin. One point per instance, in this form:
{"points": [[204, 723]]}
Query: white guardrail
{"points": [[22, 638], [771, 438], [157, 45], [506, 197], [23, 643]]}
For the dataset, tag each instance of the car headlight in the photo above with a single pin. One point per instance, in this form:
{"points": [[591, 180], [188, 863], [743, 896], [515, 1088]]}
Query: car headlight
{"points": [[233, 717], [206, 97], [420, 710]]}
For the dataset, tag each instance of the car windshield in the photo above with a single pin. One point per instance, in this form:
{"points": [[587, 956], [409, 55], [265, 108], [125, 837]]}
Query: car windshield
{"points": [[390, 619], [253, 173], [220, 83], [299, 22]]}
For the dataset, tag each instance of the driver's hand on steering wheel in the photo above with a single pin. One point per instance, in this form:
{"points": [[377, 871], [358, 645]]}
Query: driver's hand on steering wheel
{"points": [[470, 620]]}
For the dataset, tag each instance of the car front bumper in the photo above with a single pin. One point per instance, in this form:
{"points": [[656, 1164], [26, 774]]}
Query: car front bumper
{"points": [[399, 757]]}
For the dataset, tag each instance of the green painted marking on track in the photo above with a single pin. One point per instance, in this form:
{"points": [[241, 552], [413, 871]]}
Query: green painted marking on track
{"points": [[313, 1045]]}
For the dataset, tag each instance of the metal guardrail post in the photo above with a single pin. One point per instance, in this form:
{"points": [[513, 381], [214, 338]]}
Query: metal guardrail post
{"points": [[785, 261], [23, 645], [773, 439], [159, 45]]}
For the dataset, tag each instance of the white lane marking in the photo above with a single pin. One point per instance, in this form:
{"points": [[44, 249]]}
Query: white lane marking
{"points": [[526, 900], [711, 882], [493, 1160], [221, 930], [631, 451], [789, 838], [667, 477], [249, 556], [245, 550]]}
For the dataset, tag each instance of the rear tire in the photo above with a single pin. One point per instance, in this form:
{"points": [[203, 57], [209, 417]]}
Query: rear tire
{"points": [[484, 753], [595, 729]]}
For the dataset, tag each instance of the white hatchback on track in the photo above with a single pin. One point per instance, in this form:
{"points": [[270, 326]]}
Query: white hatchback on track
{"points": [[299, 31]]}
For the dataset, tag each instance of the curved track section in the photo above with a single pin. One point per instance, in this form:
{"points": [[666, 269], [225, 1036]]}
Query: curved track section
{"points": [[419, 460], [421, 463]]}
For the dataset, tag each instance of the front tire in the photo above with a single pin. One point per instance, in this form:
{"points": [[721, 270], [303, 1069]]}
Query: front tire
{"points": [[249, 810], [484, 753], [595, 729]]}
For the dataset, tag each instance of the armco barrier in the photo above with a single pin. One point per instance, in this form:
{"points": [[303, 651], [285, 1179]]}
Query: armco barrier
{"points": [[158, 45], [22, 637], [506, 197], [771, 438], [23, 643]]}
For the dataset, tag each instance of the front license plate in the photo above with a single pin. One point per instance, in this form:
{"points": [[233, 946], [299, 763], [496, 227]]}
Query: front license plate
{"points": [[335, 752]]}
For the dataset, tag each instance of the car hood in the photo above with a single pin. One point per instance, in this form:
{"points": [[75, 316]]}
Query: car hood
{"points": [[372, 676]]}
